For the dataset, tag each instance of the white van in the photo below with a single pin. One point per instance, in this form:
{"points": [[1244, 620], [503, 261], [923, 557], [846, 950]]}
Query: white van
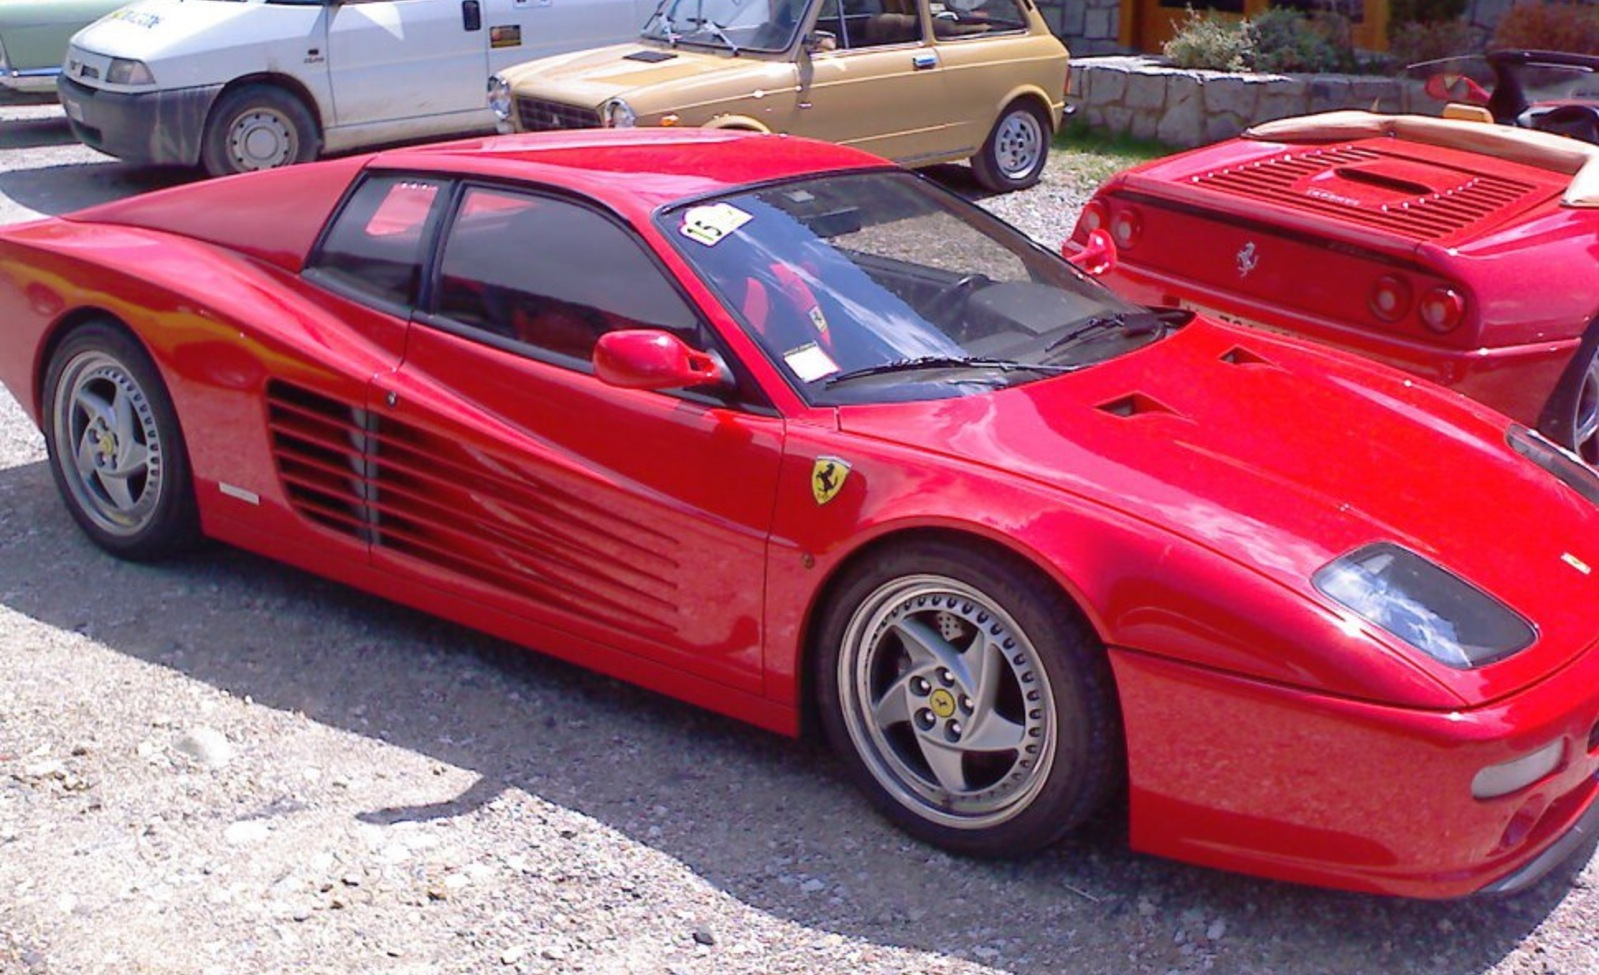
{"points": [[235, 85]]}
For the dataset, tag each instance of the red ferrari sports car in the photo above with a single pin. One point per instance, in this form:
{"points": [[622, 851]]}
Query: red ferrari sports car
{"points": [[1460, 251], [785, 431]]}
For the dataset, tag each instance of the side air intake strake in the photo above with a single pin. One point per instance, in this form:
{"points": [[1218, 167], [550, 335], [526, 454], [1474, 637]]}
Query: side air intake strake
{"points": [[397, 486], [1359, 185]]}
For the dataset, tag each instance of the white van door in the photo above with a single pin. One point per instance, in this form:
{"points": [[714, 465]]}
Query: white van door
{"points": [[521, 30], [399, 59]]}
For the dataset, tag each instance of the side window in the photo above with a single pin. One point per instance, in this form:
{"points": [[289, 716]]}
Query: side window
{"points": [[856, 24], [969, 18], [375, 246], [551, 275]]}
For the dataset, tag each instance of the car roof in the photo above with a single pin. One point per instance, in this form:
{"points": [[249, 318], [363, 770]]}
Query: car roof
{"points": [[634, 171]]}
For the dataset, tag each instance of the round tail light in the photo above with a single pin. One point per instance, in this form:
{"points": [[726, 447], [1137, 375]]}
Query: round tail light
{"points": [[1125, 227], [1390, 298], [1092, 218], [1442, 309]]}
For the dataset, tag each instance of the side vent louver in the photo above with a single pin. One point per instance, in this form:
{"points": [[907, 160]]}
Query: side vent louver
{"points": [[1134, 404], [1240, 356]]}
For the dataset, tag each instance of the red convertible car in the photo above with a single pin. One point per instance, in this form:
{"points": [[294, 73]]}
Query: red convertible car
{"points": [[1460, 251], [790, 433]]}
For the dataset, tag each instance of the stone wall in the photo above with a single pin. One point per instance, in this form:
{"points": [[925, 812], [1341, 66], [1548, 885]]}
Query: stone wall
{"points": [[1144, 98], [1088, 27]]}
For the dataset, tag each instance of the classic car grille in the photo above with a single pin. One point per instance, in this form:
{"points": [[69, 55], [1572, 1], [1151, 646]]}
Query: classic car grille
{"points": [[537, 115], [1426, 217], [396, 486]]}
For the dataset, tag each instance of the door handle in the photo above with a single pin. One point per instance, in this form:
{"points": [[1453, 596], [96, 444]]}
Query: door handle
{"points": [[471, 15], [924, 61]]}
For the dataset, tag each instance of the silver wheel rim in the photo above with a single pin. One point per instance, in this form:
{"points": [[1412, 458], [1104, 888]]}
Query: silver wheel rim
{"points": [[108, 445], [261, 138], [1018, 144], [947, 702], [1585, 426]]}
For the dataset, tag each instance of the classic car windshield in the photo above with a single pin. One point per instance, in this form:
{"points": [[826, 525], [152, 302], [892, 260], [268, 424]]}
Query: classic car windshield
{"points": [[879, 286], [737, 25]]}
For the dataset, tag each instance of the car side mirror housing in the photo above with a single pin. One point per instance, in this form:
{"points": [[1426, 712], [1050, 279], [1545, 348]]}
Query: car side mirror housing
{"points": [[1456, 88], [649, 358], [1096, 257], [820, 42]]}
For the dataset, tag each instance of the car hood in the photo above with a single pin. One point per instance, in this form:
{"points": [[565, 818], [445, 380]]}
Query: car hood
{"points": [[1283, 457], [157, 29], [591, 77]]}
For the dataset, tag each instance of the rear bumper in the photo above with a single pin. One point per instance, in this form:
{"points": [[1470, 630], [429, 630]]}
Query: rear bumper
{"points": [[1515, 380], [1284, 783], [161, 128]]}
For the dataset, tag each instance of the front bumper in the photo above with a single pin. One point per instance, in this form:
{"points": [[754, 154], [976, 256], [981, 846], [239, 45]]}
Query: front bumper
{"points": [[162, 128], [1286, 783]]}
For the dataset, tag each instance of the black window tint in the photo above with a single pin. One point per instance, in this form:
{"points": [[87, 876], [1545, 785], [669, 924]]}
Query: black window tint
{"points": [[376, 244], [550, 274]]}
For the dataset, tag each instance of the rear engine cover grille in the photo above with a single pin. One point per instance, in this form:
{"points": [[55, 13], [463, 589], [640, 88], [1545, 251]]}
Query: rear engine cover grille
{"points": [[1421, 216], [537, 115]]}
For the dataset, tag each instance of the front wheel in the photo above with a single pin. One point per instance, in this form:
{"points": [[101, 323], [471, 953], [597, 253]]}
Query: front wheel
{"points": [[968, 700], [257, 127], [1014, 155], [115, 448], [1585, 413]]}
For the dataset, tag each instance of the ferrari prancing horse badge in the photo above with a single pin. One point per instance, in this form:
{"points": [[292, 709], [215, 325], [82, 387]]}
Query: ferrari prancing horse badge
{"points": [[827, 478]]}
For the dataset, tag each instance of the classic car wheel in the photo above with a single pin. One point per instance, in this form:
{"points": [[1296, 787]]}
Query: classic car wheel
{"points": [[257, 127], [115, 448], [968, 700], [1585, 419], [1013, 157]]}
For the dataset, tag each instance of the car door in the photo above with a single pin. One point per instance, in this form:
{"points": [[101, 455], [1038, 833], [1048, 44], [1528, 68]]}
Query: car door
{"points": [[392, 60], [632, 520], [880, 88]]}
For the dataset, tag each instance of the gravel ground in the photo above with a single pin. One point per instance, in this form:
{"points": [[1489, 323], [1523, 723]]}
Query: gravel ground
{"points": [[220, 765]]}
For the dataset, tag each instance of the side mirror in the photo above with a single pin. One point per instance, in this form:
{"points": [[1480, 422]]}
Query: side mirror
{"points": [[1456, 88], [820, 41], [648, 358], [1096, 257]]}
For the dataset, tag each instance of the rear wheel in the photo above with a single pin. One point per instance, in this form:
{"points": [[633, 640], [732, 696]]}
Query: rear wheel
{"points": [[968, 700], [1013, 158], [257, 127], [1585, 412], [116, 450]]}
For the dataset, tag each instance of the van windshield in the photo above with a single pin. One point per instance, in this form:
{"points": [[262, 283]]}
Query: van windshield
{"points": [[735, 25]]}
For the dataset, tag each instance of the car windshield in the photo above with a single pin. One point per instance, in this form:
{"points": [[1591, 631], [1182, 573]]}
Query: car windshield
{"points": [[879, 286], [736, 25]]}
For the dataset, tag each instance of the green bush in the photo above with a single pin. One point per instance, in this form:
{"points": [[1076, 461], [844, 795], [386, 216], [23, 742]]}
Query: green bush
{"points": [[1406, 12], [1210, 43], [1416, 41], [1287, 40], [1572, 27]]}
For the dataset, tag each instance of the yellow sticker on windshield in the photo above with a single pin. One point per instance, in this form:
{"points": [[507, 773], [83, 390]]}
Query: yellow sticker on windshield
{"points": [[709, 224]]}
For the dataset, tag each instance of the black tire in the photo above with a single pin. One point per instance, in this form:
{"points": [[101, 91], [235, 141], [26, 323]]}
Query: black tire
{"points": [[1571, 417], [257, 127], [116, 450], [998, 759], [1013, 156]]}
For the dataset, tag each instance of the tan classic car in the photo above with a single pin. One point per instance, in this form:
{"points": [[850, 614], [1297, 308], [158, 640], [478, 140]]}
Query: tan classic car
{"points": [[918, 81]]}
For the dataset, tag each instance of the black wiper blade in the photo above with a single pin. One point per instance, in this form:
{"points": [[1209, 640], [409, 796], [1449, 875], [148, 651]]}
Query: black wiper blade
{"points": [[946, 362], [1131, 324], [719, 32]]}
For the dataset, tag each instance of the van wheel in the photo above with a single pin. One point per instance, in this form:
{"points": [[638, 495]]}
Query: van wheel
{"points": [[257, 127], [1013, 158]]}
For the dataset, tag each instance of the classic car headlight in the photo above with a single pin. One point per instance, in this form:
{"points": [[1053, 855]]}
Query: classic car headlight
{"points": [[1556, 460], [616, 114], [500, 97], [125, 71], [1425, 605]]}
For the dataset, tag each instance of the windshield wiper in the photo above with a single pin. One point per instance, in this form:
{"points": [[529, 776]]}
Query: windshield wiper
{"points": [[946, 362], [719, 32], [1131, 325]]}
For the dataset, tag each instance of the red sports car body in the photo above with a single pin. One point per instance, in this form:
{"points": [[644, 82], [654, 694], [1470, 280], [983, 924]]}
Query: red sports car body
{"points": [[781, 430], [1464, 253]]}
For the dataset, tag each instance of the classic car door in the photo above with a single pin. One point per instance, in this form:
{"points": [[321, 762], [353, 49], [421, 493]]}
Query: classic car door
{"points": [[632, 519], [881, 88], [398, 59]]}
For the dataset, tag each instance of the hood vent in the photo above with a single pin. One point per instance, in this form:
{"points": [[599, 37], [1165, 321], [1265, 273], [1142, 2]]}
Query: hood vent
{"points": [[1240, 356], [1358, 185], [649, 57], [397, 486], [1136, 404]]}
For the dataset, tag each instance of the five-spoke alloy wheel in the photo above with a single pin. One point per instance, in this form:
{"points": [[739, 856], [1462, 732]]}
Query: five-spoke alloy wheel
{"points": [[115, 448], [966, 695]]}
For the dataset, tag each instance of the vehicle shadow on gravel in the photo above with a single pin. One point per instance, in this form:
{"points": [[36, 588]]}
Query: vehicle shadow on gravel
{"points": [[770, 822], [54, 190]]}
